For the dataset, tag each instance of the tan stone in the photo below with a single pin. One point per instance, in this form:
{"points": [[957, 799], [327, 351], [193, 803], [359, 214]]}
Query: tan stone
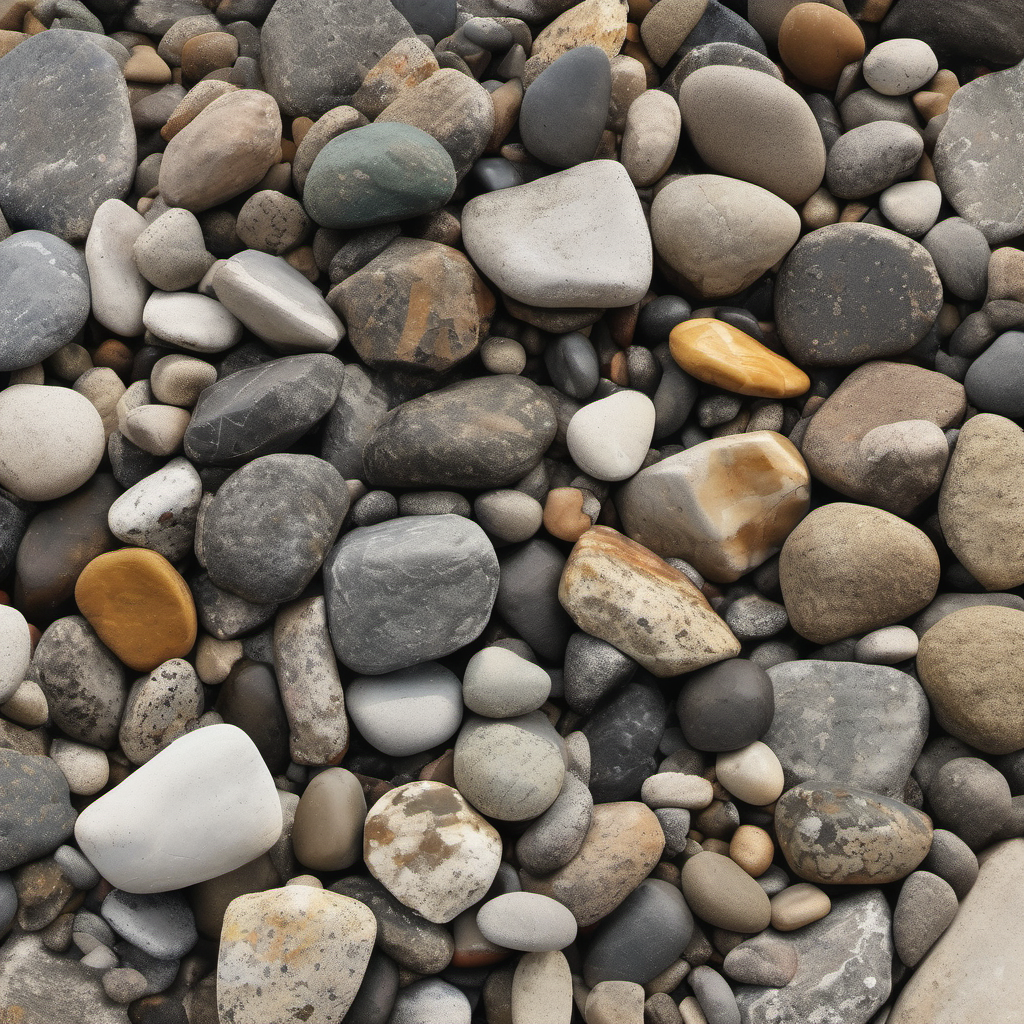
{"points": [[721, 893], [146, 65], [752, 848], [1006, 274], [409, 62], [328, 830], [650, 136], [563, 514], [725, 505], [541, 989], [615, 1002], [139, 607], [208, 52], [507, 100], [798, 905], [718, 353], [621, 592], [328, 126], [667, 24], [621, 847], [752, 774], [590, 23], [9, 40], [210, 899], [816, 42], [200, 96]]}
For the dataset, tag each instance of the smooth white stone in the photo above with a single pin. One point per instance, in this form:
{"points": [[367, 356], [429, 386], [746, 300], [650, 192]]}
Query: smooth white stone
{"points": [[610, 438], [15, 650], [190, 321], [499, 684], [527, 921], [119, 291]]}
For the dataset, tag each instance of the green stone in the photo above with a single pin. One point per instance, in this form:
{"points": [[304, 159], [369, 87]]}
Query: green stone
{"points": [[378, 174]]}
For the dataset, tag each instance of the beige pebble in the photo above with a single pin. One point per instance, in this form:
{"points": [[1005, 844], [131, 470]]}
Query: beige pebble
{"points": [[690, 1011], [670, 979], [542, 989], [503, 355], [798, 905], [615, 1002], [752, 774], [102, 386], [27, 705], [29, 375], [147, 66], [677, 789], [720, 892], [86, 768], [629, 83], [310, 880], [820, 210], [650, 137], [157, 429], [136, 395], [752, 848], [69, 362], [201, 95], [178, 379], [215, 658]]}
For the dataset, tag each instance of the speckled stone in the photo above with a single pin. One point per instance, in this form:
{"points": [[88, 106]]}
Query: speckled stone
{"points": [[37, 815]]}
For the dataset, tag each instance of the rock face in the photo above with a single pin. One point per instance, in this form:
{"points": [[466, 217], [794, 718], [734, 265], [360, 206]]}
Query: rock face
{"points": [[621, 592], [56, 171], [970, 973]]}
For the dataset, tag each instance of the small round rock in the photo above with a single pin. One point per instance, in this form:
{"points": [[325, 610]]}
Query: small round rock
{"points": [[526, 921], [500, 684], [899, 66]]}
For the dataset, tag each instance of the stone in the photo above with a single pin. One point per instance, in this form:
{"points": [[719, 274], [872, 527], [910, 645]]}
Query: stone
{"points": [[178, 379], [976, 172], [609, 438], [752, 774], [574, 238], [724, 505], [844, 969], [598, 22], [726, 707], [51, 441], [912, 207], [955, 33], [273, 222], [817, 41], [418, 306], [849, 568], [991, 382], [431, 999], [406, 711], [880, 304], [160, 707], [718, 353], [160, 924], [57, 170], [86, 768], [430, 849], [847, 724], [880, 395], [481, 433], [555, 837], [834, 835], [249, 698], [203, 806], [196, 323], [37, 813], [747, 125], [269, 527], [405, 65], [763, 961], [650, 136], [498, 683], [622, 845], [667, 28], [721, 893], [408, 590], [971, 798], [798, 906], [721, 234], [224, 150], [170, 253], [871, 157], [979, 500], [961, 254], [965, 663], [608, 585], [377, 174], [328, 831], [15, 650], [526, 921], [293, 948], [309, 68], [139, 606]]}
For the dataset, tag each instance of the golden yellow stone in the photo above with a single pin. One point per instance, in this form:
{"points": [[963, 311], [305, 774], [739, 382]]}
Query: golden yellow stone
{"points": [[718, 353], [139, 606]]}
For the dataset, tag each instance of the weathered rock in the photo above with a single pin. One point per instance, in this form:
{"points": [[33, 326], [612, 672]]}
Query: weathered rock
{"points": [[37, 815]]}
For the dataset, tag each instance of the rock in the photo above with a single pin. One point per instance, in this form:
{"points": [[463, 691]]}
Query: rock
{"points": [[139, 606], [871, 157], [609, 439], [725, 505], [752, 774], [554, 838], [328, 831], [912, 207], [798, 906], [651, 136], [160, 924], [726, 707], [15, 650], [971, 798], [430, 849], [763, 961], [224, 150], [408, 590], [481, 433], [600, 22], [377, 174], [407, 711], [406, 64], [312, 943], [956, 32], [747, 125], [249, 699], [721, 893], [203, 806], [57, 170], [170, 253], [431, 999], [37, 813], [270, 525], [841, 836], [608, 585], [847, 724], [882, 302], [965, 663], [160, 707], [622, 845], [980, 498], [500, 684], [196, 323], [526, 921], [991, 382], [950, 983], [51, 441], [896, 67], [518, 238], [418, 306], [961, 254], [273, 222], [816, 43], [848, 569], [847, 426], [86, 768], [844, 967]]}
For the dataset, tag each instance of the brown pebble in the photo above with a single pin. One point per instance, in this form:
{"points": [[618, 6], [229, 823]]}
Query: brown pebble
{"points": [[9, 40], [208, 52], [752, 848], [116, 355], [146, 65], [563, 514], [798, 905], [816, 42]]}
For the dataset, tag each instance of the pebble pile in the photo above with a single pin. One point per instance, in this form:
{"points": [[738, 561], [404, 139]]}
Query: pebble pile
{"points": [[511, 511]]}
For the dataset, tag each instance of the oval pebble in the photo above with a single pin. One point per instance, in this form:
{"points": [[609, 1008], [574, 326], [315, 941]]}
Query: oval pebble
{"points": [[527, 921]]}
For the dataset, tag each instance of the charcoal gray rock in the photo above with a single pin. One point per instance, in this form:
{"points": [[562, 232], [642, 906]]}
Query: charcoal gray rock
{"points": [[871, 157], [36, 814], [961, 30], [995, 380], [961, 254], [592, 669], [726, 706], [360, 407], [225, 615], [970, 797]]}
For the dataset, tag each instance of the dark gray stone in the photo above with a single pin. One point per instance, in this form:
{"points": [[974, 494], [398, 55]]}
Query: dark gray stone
{"points": [[847, 723], [481, 433], [726, 706], [961, 30], [995, 380], [83, 682], [225, 615], [8, 902], [720, 24], [408, 590], [314, 54], [851, 292], [361, 406], [971, 798], [592, 669], [435, 18], [565, 108], [250, 699], [36, 814], [705, 55], [945, 604], [573, 364], [961, 254], [262, 410], [160, 924], [266, 531], [643, 936], [377, 992], [865, 105], [67, 143], [953, 861], [844, 968], [870, 158], [554, 838], [926, 906], [979, 151], [44, 297], [14, 518]]}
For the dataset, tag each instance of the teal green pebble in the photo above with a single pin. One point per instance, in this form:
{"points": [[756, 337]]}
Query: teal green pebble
{"points": [[378, 174]]}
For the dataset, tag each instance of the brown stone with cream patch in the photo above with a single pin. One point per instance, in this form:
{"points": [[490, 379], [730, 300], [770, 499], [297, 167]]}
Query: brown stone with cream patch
{"points": [[139, 606], [430, 849], [725, 505], [623, 593], [419, 305], [590, 23]]}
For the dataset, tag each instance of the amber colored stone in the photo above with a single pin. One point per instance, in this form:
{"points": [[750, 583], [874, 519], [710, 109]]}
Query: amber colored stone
{"points": [[208, 52], [146, 65], [300, 126], [9, 40], [816, 42], [139, 606], [718, 353], [564, 517], [752, 848], [930, 104]]}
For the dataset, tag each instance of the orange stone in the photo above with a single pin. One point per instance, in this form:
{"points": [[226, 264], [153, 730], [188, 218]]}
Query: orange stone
{"points": [[718, 353], [139, 606], [816, 42], [564, 517]]}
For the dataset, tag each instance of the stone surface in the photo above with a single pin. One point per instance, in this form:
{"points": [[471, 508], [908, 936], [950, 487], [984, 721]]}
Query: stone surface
{"points": [[727, 706], [160, 924], [196, 323], [498, 683], [608, 439], [37, 814], [15, 650], [160, 707]]}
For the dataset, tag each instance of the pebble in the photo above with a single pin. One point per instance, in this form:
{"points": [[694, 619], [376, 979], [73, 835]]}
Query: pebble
{"points": [[498, 683], [752, 774], [871, 157], [912, 207], [526, 921], [160, 924], [429, 1000], [556, 836], [170, 252], [612, 1002], [721, 893], [961, 254], [37, 814], [196, 323], [763, 961], [727, 706], [991, 383], [15, 650], [926, 907], [609, 438], [797, 906], [817, 42], [86, 768]]}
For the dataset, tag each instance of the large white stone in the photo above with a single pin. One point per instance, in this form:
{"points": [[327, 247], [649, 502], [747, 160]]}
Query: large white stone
{"points": [[119, 291], [203, 806], [15, 650], [575, 238], [609, 438]]}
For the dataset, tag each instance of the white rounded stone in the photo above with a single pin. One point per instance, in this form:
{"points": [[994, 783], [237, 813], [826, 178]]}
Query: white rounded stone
{"points": [[431, 1001], [911, 207], [15, 650], [190, 321], [610, 438], [899, 66], [677, 789], [752, 774], [542, 989], [498, 683], [887, 646], [157, 429], [119, 291], [527, 921]]}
